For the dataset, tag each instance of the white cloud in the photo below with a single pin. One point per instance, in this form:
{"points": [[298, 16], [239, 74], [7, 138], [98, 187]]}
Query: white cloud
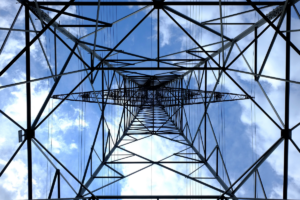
{"points": [[14, 179], [73, 146]]}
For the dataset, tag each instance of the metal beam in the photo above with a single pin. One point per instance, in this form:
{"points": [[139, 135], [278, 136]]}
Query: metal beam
{"points": [[11, 28], [271, 15], [41, 45], [120, 42], [286, 134], [50, 22], [53, 88], [49, 160], [20, 30], [16, 123], [227, 16], [114, 22], [29, 134], [255, 166], [266, 17], [211, 170], [167, 3], [66, 169], [52, 185], [12, 157], [106, 158], [73, 38], [195, 22], [262, 89], [274, 37], [74, 15]]}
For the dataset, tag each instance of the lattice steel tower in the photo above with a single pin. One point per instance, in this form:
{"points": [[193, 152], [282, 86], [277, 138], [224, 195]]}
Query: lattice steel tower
{"points": [[139, 85]]}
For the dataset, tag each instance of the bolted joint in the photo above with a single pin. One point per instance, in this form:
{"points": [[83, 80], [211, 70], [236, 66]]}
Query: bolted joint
{"points": [[286, 133], [222, 198], [23, 1], [158, 4], [29, 133]]}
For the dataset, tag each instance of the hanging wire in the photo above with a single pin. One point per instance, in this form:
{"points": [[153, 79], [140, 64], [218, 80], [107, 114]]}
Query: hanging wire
{"points": [[78, 139], [257, 17], [151, 159], [253, 113], [224, 78], [84, 158], [48, 120], [51, 142]]}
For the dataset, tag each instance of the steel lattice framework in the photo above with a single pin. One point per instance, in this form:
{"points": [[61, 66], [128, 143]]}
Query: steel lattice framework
{"points": [[152, 105]]}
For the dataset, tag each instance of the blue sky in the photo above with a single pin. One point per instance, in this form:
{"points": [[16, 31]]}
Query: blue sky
{"points": [[69, 132]]}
